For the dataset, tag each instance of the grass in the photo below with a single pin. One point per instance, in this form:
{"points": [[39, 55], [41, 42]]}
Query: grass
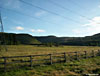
{"points": [[73, 68], [16, 50]]}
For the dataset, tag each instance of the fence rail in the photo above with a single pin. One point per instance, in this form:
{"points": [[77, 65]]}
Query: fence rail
{"points": [[48, 58]]}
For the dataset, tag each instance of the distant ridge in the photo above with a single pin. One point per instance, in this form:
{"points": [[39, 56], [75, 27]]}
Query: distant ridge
{"points": [[26, 39], [13, 39]]}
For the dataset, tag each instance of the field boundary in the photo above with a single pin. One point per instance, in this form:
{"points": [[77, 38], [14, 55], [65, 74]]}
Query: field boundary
{"points": [[48, 58]]}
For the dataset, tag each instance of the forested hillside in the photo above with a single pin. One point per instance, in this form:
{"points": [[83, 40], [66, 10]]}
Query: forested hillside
{"points": [[16, 39], [13, 39]]}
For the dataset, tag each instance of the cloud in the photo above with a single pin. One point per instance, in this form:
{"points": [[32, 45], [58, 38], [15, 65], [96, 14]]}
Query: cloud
{"points": [[38, 30], [19, 28], [40, 13], [94, 22], [32, 30], [90, 28]]}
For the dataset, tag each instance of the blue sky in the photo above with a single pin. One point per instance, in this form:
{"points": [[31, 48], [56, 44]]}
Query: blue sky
{"points": [[71, 18]]}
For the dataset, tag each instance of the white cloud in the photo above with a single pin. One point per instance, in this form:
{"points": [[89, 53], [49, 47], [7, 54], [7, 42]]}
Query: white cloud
{"points": [[19, 28], [94, 22], [32, 30], [40, 30], [40, 13], [90, 28]]}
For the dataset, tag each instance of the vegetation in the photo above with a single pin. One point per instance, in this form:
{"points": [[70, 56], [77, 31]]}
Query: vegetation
{"points": [[16, 39], [76, 41], [74, 68], [84, 66], [26, 39], [15, 50]]}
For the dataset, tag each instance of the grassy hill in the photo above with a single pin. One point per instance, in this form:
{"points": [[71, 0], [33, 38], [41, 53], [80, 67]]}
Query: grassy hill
{"points": [[82, 41], [13, 39], [27, 39]]}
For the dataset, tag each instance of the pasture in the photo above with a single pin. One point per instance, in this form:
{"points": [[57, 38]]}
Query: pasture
{"points": [[20, 50], [73, 68]]}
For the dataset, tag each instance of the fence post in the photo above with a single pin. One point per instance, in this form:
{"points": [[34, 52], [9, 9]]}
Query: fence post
{"points": [[85, 54], [93, 53], [5, 63], [98, 52], [65, 60], [76, 55], [31, 61], [50, 59]]}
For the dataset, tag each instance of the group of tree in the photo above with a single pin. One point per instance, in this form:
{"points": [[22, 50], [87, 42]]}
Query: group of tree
{"points": [[49, 41], [9, 39]]}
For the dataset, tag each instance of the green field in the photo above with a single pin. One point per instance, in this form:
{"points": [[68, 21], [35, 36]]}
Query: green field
{"points": [[16, 50], [73, 68]]}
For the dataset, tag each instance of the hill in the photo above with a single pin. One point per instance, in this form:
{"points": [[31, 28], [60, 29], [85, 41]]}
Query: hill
{"points": [[82, 41], [12, 38]]}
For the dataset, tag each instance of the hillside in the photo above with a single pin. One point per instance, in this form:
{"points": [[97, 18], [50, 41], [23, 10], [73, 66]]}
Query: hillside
{"points": [[12, 38], [54, 39], [82, 41]]}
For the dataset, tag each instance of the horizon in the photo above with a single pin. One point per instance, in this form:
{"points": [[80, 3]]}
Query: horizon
{"points": [[63, 18], [51, 35]]}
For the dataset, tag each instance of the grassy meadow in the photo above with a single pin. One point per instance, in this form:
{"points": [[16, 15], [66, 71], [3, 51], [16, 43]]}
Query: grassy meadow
{"points": [[17, 50], [73, 68]]}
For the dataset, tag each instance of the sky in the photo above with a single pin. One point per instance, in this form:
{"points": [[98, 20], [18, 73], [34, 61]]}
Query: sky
{"points": [[67, 18]]}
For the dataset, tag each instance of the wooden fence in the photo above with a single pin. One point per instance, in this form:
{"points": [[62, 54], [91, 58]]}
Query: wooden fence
{"points": [[31, 60]]}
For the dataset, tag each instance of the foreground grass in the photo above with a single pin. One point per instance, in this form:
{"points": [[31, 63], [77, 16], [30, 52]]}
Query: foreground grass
{"points": [[74, 68], [14, 50]]}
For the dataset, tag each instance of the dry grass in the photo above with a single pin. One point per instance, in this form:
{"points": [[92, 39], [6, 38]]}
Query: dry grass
{"points": [[16, 50], [74, 68]]}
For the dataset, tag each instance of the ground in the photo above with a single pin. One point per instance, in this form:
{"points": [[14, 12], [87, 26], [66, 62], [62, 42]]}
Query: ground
{"points": [[16, 50], [73, 68]]}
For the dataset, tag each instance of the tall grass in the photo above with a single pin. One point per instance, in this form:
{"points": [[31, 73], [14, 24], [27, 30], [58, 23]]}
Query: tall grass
{"points": [[15, 50], [74, 68]]}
